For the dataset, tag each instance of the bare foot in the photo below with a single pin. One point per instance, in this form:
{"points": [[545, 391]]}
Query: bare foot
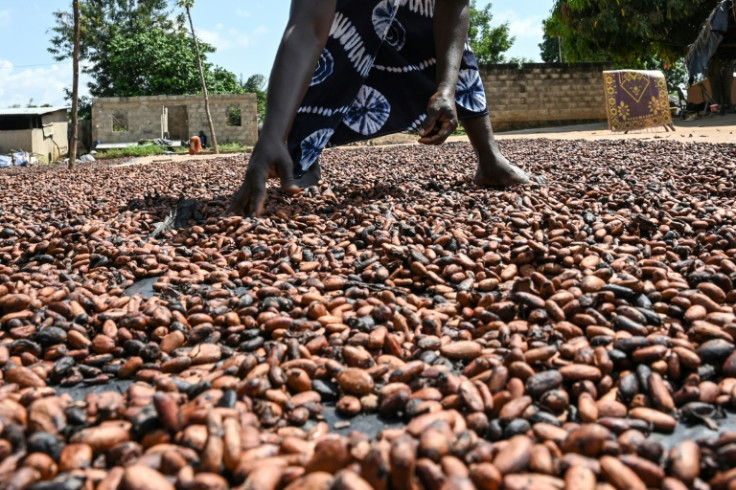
{"points": [[311, 177], [502, 173]]}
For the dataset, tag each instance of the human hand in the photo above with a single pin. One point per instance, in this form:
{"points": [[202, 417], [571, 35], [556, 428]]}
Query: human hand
{"points": [[441, 120], [269, 159]]}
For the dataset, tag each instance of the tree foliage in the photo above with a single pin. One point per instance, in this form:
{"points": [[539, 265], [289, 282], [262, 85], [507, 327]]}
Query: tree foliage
{"points": [[136, 47], [549, 49], [674, 72], [626, 31], [256, 84], [489, 43]]}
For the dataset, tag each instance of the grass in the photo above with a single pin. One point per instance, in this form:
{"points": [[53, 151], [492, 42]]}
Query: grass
{"points": [[233, 148], [131, 151], [151, 149]]}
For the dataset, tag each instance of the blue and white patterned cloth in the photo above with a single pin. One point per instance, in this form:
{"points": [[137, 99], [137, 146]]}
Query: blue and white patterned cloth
{"points": [[375, 77]]}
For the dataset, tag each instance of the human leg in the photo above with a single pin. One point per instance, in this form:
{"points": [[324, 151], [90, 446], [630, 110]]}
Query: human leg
{"points": [[494, 169], [716, 69], [728, 104], [405, 71]]}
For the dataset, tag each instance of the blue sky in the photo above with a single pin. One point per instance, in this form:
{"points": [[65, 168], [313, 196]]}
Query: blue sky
{"points": [[246, 34]]}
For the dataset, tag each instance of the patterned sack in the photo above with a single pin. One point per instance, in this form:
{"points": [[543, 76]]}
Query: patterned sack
{"points": [[636, 99]]}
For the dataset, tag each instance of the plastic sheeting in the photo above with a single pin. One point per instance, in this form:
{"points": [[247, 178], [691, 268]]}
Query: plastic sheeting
{"points": [[21, 158], [703, 49]]}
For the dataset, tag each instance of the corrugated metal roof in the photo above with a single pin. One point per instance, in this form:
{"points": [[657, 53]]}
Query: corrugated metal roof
{"points": [[30, 111]]}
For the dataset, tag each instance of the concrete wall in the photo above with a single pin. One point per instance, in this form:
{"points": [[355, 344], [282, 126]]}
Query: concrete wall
{"points": [[144, 117], [544, 94], [55, 117], [20, 139], [58, 145], [54, 145]]}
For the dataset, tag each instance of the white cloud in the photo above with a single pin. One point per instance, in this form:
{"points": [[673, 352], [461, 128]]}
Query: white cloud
{"points": [[260, 31], [4, 17], [243, 13], [240, 39], [214, 38], [222, 40], [43, 84], [521, 26]]}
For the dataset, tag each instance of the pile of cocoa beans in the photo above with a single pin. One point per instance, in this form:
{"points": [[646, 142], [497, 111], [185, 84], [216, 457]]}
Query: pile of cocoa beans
{"points": [[537, 337]]}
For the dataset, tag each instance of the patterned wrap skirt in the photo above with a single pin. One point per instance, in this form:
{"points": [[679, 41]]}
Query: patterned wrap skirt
{"points": [[375, 77]]}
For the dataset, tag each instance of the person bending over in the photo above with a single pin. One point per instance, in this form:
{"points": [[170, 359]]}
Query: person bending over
{"points": [[349, 70]]}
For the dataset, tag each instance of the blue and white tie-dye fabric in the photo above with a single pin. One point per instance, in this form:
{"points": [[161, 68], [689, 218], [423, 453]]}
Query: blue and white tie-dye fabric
{"points": [[375, 77]]}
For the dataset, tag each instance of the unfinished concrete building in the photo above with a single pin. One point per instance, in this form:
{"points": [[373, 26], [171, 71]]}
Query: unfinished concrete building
{"points": [[118, 120]]}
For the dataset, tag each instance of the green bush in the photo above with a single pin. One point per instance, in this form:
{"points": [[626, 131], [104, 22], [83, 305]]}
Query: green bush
{"points": [[233, 148], [151, 149], [130, 151]]}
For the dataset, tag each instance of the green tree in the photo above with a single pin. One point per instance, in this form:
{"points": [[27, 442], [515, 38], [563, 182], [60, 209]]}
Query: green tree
{"points": [[488, 42], [136, 47], [256, 84], [519, 60], [550, 49], [101, 21], [153, 62], [626, 31], [84, 110], [675, 73], [222, 81]]}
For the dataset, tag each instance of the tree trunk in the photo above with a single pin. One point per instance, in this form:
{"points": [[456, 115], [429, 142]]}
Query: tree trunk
{"points": [[75, 89], [204, 86]]}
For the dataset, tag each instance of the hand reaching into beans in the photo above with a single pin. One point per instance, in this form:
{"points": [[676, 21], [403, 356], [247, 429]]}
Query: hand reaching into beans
{"points": [[270, 159]]}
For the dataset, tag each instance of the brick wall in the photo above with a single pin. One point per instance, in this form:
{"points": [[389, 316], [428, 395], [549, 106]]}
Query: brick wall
{"points": [[143, 117], [544, 94]]}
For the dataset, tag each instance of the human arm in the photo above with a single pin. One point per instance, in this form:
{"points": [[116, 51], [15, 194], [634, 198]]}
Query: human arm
{"points": [[451, 21], [303, 41]]}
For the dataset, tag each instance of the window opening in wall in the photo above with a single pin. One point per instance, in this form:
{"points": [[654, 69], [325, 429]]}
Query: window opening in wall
{"points": [[234, 116], [119, 121]]}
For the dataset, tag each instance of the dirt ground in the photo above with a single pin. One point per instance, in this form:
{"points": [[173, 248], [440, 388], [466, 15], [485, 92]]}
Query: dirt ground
{"points": [[713, 129]]}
